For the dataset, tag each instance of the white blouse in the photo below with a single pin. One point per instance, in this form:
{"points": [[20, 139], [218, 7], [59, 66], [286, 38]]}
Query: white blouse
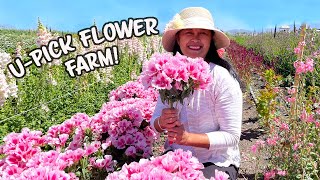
{"points": [[216, 112]]}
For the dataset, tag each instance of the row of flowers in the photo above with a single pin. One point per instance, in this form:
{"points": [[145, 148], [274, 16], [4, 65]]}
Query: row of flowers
{"points": [[103, 145], [118, 134]]}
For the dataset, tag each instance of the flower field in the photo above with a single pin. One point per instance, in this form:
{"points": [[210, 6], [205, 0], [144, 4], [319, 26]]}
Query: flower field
{"points": [[288, 104], [96, 126]]}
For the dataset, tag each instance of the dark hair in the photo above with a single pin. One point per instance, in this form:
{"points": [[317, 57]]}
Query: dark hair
{"points": [[213, 56]]}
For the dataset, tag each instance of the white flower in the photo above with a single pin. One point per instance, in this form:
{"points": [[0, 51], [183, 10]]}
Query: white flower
{"points": [[4, 60], [3, 88], [45, 108], [175, 23]]}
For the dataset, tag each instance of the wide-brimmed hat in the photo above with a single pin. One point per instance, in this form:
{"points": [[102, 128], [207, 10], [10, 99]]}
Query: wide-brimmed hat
{"points": [[192, 17]]}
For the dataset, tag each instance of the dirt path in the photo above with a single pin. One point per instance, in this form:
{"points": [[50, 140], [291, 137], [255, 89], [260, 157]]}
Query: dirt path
{"points": [[251, 132]]}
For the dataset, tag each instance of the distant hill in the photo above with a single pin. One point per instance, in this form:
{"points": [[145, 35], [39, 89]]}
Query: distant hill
{"points": [[311, 25], [315, 25], [237, 31]]}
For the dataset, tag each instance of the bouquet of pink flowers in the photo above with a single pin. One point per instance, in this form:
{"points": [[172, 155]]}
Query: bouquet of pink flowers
{"points": [[175, 77]]}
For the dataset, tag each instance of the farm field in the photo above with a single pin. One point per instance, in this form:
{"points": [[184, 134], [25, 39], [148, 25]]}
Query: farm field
{"points": [[53, 123]]}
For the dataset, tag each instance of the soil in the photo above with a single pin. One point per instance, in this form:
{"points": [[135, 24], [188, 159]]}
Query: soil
{"points": [[251, 132]]}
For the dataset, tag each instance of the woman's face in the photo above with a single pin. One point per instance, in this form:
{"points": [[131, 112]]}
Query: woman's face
{"points": [[194, 42]]}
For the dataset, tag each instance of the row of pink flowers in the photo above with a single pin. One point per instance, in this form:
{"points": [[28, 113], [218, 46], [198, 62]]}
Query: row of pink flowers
{"points": [[133, 89], [119, 134], [176, 164], [126, 124], [80, 138]]}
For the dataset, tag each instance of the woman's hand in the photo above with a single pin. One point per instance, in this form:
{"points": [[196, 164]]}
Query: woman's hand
{"points": [[169, 118], [178, 134]]}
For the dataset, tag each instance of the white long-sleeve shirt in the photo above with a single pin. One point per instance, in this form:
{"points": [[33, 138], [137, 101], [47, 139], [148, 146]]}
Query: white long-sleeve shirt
{"points": [[217, 112]]}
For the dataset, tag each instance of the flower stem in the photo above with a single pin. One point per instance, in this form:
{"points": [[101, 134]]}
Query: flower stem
{"points": [[170, 103]]}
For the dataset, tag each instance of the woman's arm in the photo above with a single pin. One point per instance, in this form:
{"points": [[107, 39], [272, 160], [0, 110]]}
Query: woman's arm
{"points": [[228, 108]]}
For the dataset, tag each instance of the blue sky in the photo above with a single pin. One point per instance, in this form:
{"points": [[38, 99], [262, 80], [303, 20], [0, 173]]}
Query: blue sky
{"points": [[228, 14]]}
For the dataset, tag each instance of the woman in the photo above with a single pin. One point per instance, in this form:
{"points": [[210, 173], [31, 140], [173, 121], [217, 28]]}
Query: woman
{"points": [[209, 125]]}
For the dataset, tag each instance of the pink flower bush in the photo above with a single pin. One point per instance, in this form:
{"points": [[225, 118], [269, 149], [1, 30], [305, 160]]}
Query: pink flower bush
{"points": [[24, 159], [126, 129], [173, 165], [304, 67], [80, 138], [84, 146], [133, 89], [175, 77]]}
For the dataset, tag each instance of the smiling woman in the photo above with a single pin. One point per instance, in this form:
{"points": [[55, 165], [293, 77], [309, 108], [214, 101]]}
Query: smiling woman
{"points": [[194, 42], [209, 125]]}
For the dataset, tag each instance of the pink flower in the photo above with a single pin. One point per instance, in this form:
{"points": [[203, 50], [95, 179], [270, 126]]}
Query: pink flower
{"points": [[276, 89], [221, 52], [173, 75], [309, 65], [300, 67], [219, 175], [63, 138], [296, 146], [282, 173], [284, 126], [109, 163], [291, 90], [173, 165], [269, 175], [131, 151], [254, 148], [170, 69], [162, 81], [302, 43], [133, 89], [297, 50], [182, 75], [193, 70], [129, 139], [120, 143], [100, 163], [291, 99], [272, 141], [90, 149]]}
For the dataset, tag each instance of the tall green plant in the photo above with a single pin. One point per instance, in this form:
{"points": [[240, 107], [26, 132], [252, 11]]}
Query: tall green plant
{"points": [[293, 123]]}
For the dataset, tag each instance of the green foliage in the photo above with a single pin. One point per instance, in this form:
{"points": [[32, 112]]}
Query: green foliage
{"points": [[267, 97], [122, 72], [278, 51], [40, 104], [290, 115], [10, 37], [48, 95]]}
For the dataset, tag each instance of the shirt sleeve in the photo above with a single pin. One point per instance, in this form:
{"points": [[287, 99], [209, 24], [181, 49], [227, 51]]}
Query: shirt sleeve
{"points": [[157, 112], [228, 108]]}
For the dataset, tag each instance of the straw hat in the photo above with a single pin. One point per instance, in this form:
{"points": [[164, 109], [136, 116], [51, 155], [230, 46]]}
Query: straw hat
{"points": [[192, 17]]}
